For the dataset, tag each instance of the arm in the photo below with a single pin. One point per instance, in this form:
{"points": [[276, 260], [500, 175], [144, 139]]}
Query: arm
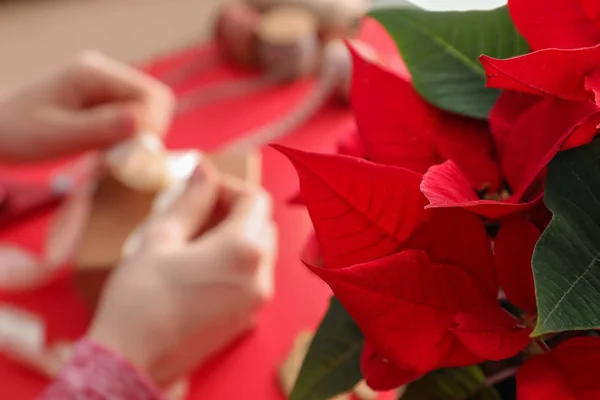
{"points": [[95, 373]]}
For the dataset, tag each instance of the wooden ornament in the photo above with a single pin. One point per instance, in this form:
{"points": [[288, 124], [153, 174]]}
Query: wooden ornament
{"points": [[288, 43], [118, 209], [236, 32]]}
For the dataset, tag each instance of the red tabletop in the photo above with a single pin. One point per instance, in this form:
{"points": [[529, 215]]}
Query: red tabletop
{"points": [[248, 368]]}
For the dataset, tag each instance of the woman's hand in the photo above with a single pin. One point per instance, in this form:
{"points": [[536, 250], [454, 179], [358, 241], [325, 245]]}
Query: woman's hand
{"points": [[195, 280], [90, 103]]}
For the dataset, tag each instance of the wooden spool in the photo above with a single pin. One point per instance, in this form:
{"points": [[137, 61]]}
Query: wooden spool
{"points": [[235, 32], [335, 18], [288, 43]]}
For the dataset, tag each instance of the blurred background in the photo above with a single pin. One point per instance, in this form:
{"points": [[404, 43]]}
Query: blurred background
{"points": [[35, 34]]}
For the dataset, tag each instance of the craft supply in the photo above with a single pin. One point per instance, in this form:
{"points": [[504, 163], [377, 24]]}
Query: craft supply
{"points": [[200, 64], [235, 39], [284, 38], [334, 79], [339, 19], [284, 41], [236, 32], [288, 43], [242, 24], [219, 91], [285, 45], [336, 18]]}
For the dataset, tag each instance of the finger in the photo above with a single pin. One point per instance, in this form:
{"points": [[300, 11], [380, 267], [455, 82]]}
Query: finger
{"points": [[183, 211], [230, 190], [235, 260], [75, 131], [100, 80], [250, 211], [243, 203], [241, 211], [266, 273], [239, 241]]}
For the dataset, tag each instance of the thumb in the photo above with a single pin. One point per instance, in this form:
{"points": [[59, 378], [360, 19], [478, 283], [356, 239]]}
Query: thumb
{"points": [[95, 127], [241, 238]]}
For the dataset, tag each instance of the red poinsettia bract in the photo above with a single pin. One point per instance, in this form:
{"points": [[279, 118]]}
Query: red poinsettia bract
{"points": [[568, 372], [556, 111], [565, 24], [397, 127], [513, 249], [419, 283], [567, 114]]}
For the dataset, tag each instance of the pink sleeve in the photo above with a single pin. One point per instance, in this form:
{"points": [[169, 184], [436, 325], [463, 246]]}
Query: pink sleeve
{"points": [[95, 373]]}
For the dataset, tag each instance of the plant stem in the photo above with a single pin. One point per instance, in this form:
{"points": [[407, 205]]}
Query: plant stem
{"points": [[501, 376], [542, 345]]}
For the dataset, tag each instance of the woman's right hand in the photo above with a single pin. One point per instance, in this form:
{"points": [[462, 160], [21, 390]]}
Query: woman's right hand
{"points": [[200, 271]]}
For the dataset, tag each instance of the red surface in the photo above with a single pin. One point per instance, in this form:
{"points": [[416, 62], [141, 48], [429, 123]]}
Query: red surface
{"points": [[249, 368]]}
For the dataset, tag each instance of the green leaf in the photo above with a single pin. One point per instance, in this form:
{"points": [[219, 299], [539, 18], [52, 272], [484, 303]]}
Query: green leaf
{"points": [[566, 265], [441, 51], [332, 364], [467, 383]]}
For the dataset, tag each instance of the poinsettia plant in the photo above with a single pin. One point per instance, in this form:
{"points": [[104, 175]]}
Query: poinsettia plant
{"points": [[459, 230]]}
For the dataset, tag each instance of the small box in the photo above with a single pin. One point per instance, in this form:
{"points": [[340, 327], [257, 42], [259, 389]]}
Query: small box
{"points": [[117, 210]]}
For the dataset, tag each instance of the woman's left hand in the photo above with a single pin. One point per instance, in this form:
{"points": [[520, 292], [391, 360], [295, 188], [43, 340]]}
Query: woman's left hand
{"points": [[90, 103]]}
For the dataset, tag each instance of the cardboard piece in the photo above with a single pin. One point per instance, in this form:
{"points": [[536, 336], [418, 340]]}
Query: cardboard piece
{"points": [[117, 210]]}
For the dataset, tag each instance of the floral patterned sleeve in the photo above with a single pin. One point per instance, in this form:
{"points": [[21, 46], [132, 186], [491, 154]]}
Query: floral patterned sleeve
{"points": [[95, 373]]}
